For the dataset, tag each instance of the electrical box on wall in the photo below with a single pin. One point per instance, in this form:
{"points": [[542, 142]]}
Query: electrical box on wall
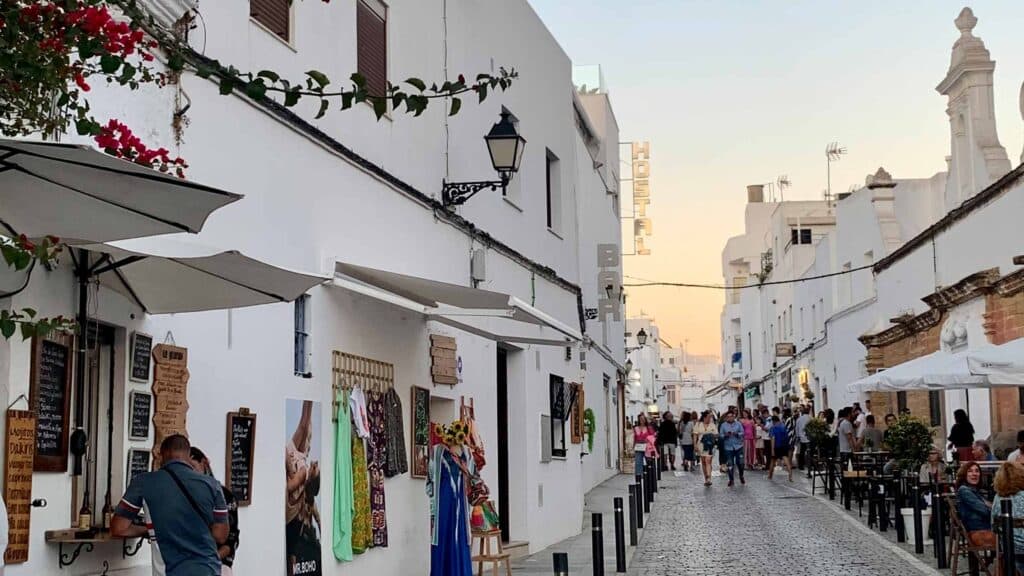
{"points": [[478, 265]]}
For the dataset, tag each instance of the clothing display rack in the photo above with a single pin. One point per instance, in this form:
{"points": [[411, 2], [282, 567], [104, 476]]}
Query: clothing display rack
{"points": [[350, 371]]}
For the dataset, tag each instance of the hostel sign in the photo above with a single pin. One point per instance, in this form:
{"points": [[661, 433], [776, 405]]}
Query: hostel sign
{"points": [[641, 195]]}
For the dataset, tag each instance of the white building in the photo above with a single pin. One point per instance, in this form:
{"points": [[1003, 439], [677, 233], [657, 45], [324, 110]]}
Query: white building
{"points": [[351, 197], [643, 381], [916, 265]]}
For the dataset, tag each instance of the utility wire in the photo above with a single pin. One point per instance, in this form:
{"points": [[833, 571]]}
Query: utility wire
{"points": [[646, 283]]}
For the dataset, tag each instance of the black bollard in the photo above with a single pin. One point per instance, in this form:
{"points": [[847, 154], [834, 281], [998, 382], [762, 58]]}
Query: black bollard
{"points": [[653, 479], [646, 496], [632, 515], [901, 530], [830, 475], [620, 538], [1007, 556], [597, 542], [938, 509], [915, 494], [561, 563], [883, 510]]}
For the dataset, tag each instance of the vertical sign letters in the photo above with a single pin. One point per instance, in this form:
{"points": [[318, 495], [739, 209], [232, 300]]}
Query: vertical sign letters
{"points": [[609, 301], [641, 195]]}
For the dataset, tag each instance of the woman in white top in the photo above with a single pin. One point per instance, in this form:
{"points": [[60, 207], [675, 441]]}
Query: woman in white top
{"points": [[705, 437]]}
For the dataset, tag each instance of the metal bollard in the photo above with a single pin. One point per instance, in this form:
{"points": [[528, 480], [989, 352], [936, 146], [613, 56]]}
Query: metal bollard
{"points": [[646, 496], [938, 516], [620, 538], [597, 542], [901, 530], [1007, 556], [883, 510], [831, 477], [632, 514], [561, 563], [915, 493]]}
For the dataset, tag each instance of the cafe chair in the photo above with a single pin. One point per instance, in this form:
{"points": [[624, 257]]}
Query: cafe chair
{"points": [[961, 546]]}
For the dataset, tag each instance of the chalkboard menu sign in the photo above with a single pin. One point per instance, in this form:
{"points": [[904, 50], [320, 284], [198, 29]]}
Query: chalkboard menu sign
{"points": [[241, 445], [138, 463], [142, 345], [50, 394], [139, 426]]}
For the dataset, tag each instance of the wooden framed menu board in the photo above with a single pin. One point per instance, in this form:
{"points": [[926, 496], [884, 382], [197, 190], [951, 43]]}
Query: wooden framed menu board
{"points": [[19, 450], [241, 452], [139, 406], [50, 398], [141, 349]]}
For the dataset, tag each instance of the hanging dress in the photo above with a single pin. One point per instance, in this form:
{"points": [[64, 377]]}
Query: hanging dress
{"points": [[378, 457], [449, 515], [362, 534], [344, 497], [398, 462]]}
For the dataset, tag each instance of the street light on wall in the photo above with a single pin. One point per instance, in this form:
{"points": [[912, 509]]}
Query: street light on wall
{"points": [[505, 146]]}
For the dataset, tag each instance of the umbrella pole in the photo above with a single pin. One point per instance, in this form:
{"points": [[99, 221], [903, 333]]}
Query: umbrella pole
{"points": [[79, 438]]}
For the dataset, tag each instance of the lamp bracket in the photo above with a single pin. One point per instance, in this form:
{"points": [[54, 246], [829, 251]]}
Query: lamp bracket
{"points": [[456, 193]]}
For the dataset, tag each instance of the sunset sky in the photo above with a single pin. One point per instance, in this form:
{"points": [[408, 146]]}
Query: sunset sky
{"points": [[731, 93]]}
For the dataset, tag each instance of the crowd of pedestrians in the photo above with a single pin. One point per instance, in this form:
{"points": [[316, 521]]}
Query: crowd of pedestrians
{"points": [[739, 440]]}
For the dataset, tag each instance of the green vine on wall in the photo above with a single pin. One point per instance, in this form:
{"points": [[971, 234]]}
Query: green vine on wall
{"points": [[589, 427]]}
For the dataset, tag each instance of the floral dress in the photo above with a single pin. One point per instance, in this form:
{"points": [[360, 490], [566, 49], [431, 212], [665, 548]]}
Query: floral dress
{"points": [[362, 534], [378, 457]]}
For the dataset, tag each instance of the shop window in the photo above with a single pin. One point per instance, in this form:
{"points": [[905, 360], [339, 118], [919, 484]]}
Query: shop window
{"points": [[372, 49], [901, 402], [275, 15], [302, 348], [935, 407], [558, 405]]}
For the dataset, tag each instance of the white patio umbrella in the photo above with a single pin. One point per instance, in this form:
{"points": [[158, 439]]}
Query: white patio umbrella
{"points": [[1003, 363], [82, 195], [178, 274]]}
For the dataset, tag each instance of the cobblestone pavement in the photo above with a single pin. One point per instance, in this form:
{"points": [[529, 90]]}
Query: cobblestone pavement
{"points": [[763, 528]]}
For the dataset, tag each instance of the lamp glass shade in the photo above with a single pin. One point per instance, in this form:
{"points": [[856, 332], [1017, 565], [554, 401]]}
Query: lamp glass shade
{"points": [[641, 337], [505, 146]]}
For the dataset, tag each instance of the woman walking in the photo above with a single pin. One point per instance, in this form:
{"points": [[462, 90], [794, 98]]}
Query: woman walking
{"points": [[705, 438], [749, 452], [686, 439], [641, 430], [668, 437]]}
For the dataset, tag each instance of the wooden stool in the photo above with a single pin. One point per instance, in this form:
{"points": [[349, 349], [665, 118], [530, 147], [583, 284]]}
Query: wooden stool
{"points": [[487, 555]]}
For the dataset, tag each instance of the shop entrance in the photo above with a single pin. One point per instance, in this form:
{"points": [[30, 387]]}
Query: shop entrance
{"points": [[503, 491]]}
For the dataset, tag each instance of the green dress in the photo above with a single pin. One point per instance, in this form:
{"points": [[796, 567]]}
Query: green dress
{"points": [[344, 496], [362, 533]]}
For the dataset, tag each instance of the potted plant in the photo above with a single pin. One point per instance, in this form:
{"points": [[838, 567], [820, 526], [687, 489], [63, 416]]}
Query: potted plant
{"points": [[910, 441], [818, 433]]}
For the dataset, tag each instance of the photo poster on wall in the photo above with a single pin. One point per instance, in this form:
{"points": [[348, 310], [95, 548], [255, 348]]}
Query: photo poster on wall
{"points": [[302, 498], [420, 452]]}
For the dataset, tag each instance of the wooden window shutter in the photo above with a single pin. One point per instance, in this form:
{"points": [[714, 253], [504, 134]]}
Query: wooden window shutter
{"points": [[372, 55], [274, 14]]}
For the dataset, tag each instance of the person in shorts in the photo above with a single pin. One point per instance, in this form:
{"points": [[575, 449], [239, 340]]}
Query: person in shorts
{"points": [[780, 448], [686, 423], [668, 437]]}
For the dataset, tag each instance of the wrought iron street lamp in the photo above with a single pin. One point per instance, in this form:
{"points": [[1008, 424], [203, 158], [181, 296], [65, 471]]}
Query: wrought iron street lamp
{"points": [[641, 338], [505, 146]]}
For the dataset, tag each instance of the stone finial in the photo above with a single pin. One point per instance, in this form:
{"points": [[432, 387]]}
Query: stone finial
{"points": [[880, 179], [966, 21]]}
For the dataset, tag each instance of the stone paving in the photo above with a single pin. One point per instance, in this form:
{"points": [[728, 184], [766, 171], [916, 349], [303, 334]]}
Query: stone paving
{"points": [[763, 528]]}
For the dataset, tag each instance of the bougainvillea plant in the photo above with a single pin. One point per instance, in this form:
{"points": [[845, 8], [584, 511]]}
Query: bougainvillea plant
{"points": [[53, 52]]}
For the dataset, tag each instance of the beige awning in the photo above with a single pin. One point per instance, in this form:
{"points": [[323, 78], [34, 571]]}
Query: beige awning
{"points": [[494, 315]]}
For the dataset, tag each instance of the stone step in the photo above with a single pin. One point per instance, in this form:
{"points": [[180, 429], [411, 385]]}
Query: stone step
{"points": [[516, 549]]}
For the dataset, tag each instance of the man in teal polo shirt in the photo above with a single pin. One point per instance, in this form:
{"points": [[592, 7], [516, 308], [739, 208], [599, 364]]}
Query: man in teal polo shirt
{"points": [[188, 511]]}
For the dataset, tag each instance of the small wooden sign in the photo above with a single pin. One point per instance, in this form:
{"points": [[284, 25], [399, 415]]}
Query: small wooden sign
{"points": [[50, 398], [420, 453], [241, 452], [138, 463], [170, 390], [142, 351], [578, 425], [443, 360], [19, 453], [140, 406]]}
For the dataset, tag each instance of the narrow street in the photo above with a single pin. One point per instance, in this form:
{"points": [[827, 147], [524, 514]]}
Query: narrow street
{"points": [[761, 528]]}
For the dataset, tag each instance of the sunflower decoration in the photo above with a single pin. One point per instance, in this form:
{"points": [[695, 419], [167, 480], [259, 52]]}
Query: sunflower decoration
{"points": [[454, 434]]}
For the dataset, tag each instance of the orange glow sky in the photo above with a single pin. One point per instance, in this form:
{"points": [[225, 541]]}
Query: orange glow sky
{"points": [[731, 93]]}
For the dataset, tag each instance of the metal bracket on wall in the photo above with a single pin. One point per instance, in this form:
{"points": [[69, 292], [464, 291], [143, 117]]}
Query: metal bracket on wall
{"points": [[69, 559]]}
